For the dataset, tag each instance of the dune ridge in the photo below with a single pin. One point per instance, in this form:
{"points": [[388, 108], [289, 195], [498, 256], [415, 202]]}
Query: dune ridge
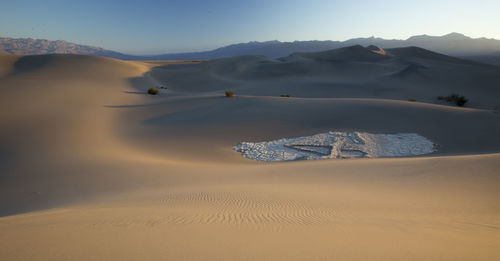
{"points": [[349, 72]]}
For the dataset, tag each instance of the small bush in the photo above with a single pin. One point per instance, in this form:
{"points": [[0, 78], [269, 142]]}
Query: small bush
{"points": [[459, 100], [411, 100], [229, 94], [152, 91], [285, 95]]}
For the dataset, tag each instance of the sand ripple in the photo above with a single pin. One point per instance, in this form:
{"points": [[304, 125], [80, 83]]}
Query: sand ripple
{"points": [[227, 208]]}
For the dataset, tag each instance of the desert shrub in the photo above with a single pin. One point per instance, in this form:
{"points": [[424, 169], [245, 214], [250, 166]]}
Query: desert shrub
{"points": [[459, 100], [284, 95], [229, 94], [411, 100], [152, 91]]}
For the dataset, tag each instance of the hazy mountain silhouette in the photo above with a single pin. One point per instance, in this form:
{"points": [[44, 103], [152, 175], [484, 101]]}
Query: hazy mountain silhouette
{"points": [[454, 44], [28, 46]]}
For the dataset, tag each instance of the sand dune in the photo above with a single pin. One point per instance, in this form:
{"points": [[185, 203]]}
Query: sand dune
{"points": [[393, 209], [93, 168], [349, 72], [6, 63]]}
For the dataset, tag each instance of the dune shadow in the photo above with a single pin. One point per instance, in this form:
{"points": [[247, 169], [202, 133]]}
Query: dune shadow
{"points": [[141, 83], [132, 105], [134, 92], [31, 63]]}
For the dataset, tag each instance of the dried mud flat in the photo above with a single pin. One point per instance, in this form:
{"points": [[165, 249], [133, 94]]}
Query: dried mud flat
{"points": [[336, 145]]}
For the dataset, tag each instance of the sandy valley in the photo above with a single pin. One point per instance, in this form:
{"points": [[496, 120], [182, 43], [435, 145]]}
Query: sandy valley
{"points": [[94, 168]]}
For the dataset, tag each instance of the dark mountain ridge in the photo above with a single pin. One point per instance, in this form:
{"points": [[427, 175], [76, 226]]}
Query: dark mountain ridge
{"points": [[454, 44], [29, 46]]}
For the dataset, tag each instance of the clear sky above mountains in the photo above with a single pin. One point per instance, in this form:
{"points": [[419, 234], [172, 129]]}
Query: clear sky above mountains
{"points": [[148, 27]]}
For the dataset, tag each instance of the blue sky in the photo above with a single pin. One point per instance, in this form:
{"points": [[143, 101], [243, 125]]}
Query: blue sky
{"points": [[152, 27]]}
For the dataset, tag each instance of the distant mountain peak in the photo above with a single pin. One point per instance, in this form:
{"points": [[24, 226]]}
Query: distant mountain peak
{"points": [[450, 36], [419, 37], [455, 35]]}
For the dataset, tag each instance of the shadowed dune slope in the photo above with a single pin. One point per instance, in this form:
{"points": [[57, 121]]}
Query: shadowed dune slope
{"points": [[6, 63], [228, 121], [351, 72], [352, 53], [55, 124]]}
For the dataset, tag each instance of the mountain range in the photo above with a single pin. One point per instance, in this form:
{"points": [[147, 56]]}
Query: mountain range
{"points": [[28, 46], [453, 44]]}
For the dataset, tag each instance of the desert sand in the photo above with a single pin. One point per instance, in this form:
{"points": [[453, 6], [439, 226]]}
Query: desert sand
{"points": [[93, 168]]}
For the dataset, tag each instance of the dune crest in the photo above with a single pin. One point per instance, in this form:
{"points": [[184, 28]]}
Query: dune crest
{"points": [[376, 49]]}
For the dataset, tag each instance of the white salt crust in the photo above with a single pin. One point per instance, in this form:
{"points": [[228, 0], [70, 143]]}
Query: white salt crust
{"points": [[337, 145]]}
